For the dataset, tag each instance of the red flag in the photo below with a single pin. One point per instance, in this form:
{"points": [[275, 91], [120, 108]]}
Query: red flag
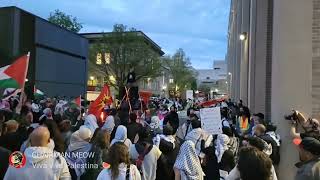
{"points": [[145, 96], [209, 103], [96, 108], [78, 101]]}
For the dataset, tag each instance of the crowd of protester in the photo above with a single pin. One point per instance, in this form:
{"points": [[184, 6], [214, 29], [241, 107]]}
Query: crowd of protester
{"points": [[60, 141]]}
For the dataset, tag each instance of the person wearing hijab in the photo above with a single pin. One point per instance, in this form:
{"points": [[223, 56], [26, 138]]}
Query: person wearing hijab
{"points": [[91, 122], [110, 124], [59, 108], [155, 125], [196, 135], [121, 136], [187, 165], [79, 143], [221, 145], [46, 113]]}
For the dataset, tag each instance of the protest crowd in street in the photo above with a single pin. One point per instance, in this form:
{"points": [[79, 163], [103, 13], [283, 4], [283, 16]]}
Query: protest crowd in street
{"points": [[61, 140]]}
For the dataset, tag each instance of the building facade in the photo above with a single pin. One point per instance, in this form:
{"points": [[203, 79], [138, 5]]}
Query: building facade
{"points": [[215, 78], [53, 50], [273, 63]]}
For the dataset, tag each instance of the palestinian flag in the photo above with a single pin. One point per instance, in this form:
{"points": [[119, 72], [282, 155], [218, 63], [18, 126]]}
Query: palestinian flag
{"points": [[37, 92], [14, 75], [77, 101]]}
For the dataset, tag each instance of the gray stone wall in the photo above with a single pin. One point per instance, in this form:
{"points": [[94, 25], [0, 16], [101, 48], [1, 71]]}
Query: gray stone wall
{"points": [[316, 59]]}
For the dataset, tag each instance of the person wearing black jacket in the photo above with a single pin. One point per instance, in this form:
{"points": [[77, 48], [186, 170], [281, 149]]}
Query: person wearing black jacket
{"points": [[4, 160], [133, 128], [170, 149], [210, 165], [13, 140], [172, 118]]}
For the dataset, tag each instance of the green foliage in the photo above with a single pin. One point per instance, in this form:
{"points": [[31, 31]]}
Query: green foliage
{"points": [[194, 84], [128, 50], [65, 21], [181, 71]]}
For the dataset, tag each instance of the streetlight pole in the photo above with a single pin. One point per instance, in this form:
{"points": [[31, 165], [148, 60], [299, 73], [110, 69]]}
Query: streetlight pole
{"points": [[230, 84]]}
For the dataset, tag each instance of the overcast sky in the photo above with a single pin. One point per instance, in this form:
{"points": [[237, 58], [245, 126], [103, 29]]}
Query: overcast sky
{"points": [[197, 26]]}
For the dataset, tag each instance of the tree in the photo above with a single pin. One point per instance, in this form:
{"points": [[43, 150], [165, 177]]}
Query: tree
{"points": [[65, 21], [193, 84], [181, 71], [119, 52]]}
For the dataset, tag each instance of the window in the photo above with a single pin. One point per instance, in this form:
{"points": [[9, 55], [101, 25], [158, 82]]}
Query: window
{"points": [[107, 57], [99, 58], [208, 78], [170, 80]]}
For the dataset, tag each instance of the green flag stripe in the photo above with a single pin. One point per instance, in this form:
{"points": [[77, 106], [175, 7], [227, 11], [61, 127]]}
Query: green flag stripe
{"points": [[9, 83]]}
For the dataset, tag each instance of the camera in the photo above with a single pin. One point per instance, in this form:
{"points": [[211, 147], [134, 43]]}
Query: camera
{"points": [[292, 117]]}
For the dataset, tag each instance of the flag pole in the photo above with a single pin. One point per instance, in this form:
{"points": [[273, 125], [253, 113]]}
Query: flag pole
{"points": [[128, 98], [26, 72], [18, 109], [80, 108]]}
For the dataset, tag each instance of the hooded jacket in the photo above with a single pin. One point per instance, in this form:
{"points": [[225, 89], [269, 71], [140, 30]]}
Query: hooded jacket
{"points": [[91, 122], [41, 163], [121, 136], [77, 146]]}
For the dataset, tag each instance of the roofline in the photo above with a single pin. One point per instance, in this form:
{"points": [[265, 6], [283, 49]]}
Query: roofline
{"points": [[15, 7], [143, 34]]}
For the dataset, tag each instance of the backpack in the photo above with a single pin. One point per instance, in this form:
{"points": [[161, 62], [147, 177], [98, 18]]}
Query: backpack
{"points": [[139, 161]]}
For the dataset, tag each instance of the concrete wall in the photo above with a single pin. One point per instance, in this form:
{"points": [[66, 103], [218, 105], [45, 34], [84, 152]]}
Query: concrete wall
{"points": [[257, 56], [291, 72], [316, 59], [244, 61]]}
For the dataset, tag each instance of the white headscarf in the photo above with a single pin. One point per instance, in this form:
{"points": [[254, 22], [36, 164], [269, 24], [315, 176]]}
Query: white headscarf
{"points": [[221, 145], [188, 162], [168, 138], [46, 113], [59, 107], [109, 124], [196, 136], [91, 122], [121, 136]]}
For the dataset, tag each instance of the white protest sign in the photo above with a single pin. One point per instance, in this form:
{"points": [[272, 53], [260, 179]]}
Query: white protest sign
{"points": [[189, 94], [211, 120]]}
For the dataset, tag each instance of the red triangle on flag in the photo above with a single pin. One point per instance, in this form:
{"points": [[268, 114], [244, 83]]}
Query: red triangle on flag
{"points": [[18, 69], [78, 101]]}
